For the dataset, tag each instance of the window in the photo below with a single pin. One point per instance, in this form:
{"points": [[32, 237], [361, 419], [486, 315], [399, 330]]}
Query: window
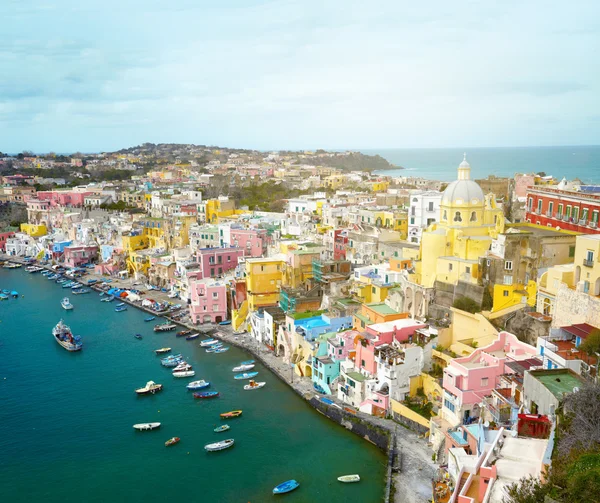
{"points": [[505, 293], [212, 271], [449, 405], [430, 206], [584, 215], [508, 265], [445, 215], [571, 251], [449, 267], [575, 214], [412, 221], [215, 295], [530, 204], [590, 256], [457, 217], [473, 217], [550, 209], [484, 381], [569, 209], [215, 308], [373, 290], [539, 205], [560, 211], [362, 362], [508, 279], [468, 270]]}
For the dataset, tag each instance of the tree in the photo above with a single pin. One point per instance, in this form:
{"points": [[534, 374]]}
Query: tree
{"points": [[591, 345], [527, 490], [467, 304], [580, 428]]}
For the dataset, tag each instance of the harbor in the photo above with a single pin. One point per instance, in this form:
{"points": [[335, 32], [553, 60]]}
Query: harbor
{"points": [[82, 421]]}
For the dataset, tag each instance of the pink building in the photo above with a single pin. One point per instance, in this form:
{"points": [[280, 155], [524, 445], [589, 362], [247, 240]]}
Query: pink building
{"points": [[4, 235], [468, 379], [213, 262], [208, 302], [341, 346], [76, 256], [63, 197], [400, 330], [253, 241], [522, 182]]}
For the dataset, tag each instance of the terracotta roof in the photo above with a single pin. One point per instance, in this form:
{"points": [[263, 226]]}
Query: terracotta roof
{"points": [[581, 330]]}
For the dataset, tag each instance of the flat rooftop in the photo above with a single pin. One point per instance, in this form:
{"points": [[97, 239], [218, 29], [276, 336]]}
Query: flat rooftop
{"points": [[558, 383], [382, 308]]}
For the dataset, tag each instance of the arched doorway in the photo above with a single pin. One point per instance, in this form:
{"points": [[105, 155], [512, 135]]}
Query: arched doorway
{"points": [[206, 318], [308, 371], [281, 350], [546, 307], [218, 319]]}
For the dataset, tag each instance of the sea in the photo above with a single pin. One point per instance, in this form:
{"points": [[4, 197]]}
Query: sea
{"points": [[66, 418], [581, 162]]}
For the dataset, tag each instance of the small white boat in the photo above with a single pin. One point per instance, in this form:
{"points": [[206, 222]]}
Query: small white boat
{"points": [[243, 368], [146, 426], [349, 478], [66, 304], [254, 385], [185, 373], [209, 342], [182, 366], [150, 388], [198, 384], [219, 446]]}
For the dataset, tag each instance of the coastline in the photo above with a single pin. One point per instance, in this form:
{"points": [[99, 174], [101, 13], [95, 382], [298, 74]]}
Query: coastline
{"points": [[406, 449]]}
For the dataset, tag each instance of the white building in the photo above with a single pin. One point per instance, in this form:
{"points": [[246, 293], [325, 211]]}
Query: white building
{"points": [[423, 211]]}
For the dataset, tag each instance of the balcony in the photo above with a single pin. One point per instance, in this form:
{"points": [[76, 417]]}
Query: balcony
{"points": [[582, 222], [549, 214], [588, 263], [593, 225]]}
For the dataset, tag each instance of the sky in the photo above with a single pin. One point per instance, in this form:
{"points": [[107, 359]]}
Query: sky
{"points": [[97, 76]]}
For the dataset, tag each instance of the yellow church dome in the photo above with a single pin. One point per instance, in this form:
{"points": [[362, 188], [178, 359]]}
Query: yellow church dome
{"points": [[464, 191]]}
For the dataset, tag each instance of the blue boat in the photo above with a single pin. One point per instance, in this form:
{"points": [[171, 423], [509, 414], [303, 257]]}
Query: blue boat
{"points": [[226, 322], [222, 349], [67, 285], [286, 487], [3, 296], [92, 281], [120, 309], [247, 362], [198, 385], [326, 400], [110, 298], [80, 291], [245, 375], [150, 318], [120, 304], [15, 295], [5, 292], [138, 336]]}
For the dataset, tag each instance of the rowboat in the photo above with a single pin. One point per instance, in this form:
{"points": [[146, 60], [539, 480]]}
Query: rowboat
{"points": [[247, 362], [172, 441], [243, 368], [223, 427], [219, 446], [110, 298], [183, 333], [120, 309], [171, 358], [150, 388], [226, 322], [146, 426], [208, 342], [213, 349], [192, 336], [286, 487], [231, 414], [183, 366], [349, 478], [207, 394], [185, 373], [66, 304], [150, 318], [254, 385], [245, 375], [162, 351], [198, 385], [221, 350], [121, 304], [171, 363]]}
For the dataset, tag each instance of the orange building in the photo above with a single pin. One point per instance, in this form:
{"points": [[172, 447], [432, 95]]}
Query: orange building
{"points": [[375, 313]]}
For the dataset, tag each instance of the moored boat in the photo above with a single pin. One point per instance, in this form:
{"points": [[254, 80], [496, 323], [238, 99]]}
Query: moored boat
{"points": [[138, 336], [223, 427], [219, 446], [150, 388], [165, 327], [171, 363], [80, 291], [226, 322], [185, 373], [183, 333], [254, 385], [172, 441], [286, 487], [66, 304], [62, 334], [14, 294], [109, 298], [209, 342], [247, 362], [150, 318], [222, 349], [182, 367], [231, 414], [146, 426], [3, 296], [245, 375], [349, 478], [121, 304], [192, 337], [207, 394], [120, 309], [198, 384], [243, 368], [162, 351], [213, 349]]}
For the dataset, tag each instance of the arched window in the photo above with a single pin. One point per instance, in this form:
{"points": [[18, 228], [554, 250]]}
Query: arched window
{"points": [[495, 218], [457, 217], [445, 215], [473, 217]]}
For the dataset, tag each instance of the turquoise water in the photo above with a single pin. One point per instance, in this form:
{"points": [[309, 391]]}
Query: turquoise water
{"points": [[66, 418], [441, 164]]}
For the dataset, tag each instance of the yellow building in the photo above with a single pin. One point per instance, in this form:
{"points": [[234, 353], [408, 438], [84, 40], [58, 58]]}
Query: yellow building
{"points": [[154, 232], [298, 267], [34, 230], [450, 249], [216, 209], [506, 296], [134, 242], [379, 186], [263, 281], [333, 182], [138, 263]]}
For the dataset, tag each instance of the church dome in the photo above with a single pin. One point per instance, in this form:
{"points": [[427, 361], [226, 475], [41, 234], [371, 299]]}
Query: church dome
{"points": [[463, 191]]}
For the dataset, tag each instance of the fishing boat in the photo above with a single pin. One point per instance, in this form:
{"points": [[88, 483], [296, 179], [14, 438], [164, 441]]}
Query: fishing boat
{"points": [[214, 349], [162, 351], [182, 367], [171, 363], [67, 285], [150, 318], [247, 362], [138, 336], [221, 350], [172, 441], [14, 294], [80, 291], [165, 327], [171, 357], [198, 384], [231, 414], [150, 388], [5, 292], [243, 368], [245, 375], [60, 281], [120, 309], [209, 342], [254, 385], [185, 373], [183, 333], [192, 337], [62, 334], [146, 426], [110, 298], [286, 487], [349, 478], [66, 304], [223, 427], [121, 304], [219, 446], [207, 394], [3, 296], [101, 294]]}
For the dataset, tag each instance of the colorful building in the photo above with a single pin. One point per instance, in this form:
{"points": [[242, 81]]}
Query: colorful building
{"points": [[263, 280], [76, 256], [208, 302], [213, 262]]}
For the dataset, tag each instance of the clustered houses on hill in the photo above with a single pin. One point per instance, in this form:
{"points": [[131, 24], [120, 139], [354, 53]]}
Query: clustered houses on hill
{"points": [[395, 299]]}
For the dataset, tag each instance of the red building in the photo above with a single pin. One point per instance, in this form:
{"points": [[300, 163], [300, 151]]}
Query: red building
{"points": [[340, 243], [564, 209]]}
